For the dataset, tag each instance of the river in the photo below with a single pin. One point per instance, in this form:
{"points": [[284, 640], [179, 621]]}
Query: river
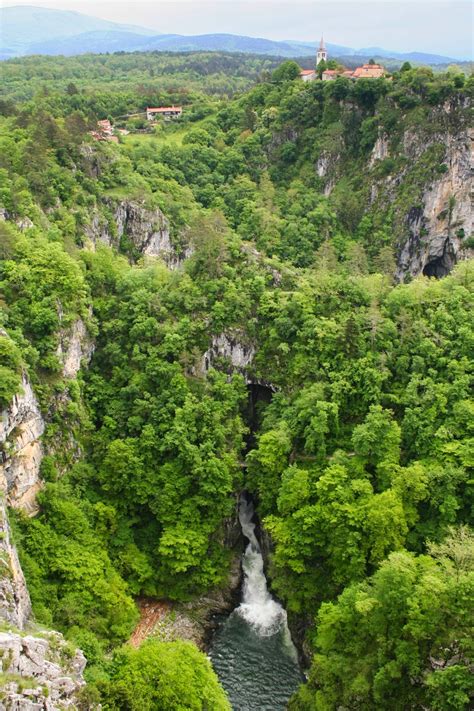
{"points": [[252, 651]]}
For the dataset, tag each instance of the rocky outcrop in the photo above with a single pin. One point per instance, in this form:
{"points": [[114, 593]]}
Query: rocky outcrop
{"points": [[74, 348], [23, 223], [195, 621], [145, 229], [231, 348], [42, 673], [439, 226], [21, 428], [15, 605], [380, 149]]}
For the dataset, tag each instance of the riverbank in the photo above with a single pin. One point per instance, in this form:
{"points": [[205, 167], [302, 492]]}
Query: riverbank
{"points": [[195, 621]]}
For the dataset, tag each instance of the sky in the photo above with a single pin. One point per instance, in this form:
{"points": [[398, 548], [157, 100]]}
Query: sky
{"points": [[438, 26]]}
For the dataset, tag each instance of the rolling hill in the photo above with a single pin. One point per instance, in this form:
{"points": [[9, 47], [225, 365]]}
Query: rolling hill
{"points": [[27, 30]]}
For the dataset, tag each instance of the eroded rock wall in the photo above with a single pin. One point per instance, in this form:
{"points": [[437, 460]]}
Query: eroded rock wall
{"points": [[75, 347], [438, 228], [21, 428], [15, 604], [147, 230]]}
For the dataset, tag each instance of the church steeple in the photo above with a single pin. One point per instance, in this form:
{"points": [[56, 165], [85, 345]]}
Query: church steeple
{"points": [[322, 54]]}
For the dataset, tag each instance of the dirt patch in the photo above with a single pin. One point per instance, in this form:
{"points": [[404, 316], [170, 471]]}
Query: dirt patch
{"points": [[194, 621], [151, 612]]}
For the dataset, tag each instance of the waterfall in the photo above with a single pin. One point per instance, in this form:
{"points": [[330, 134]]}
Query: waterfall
{"points": [[264, 614], [252, 651]]}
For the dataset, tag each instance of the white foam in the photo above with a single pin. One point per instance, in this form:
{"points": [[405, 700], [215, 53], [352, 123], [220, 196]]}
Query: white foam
{"points": [[258, 608]]}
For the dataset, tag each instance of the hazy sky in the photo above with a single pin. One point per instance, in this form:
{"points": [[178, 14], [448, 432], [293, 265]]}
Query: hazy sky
{"points": [[436, 26]]}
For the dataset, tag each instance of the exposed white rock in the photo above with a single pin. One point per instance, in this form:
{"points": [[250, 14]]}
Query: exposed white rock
{"points": [[21, 428], [24, 223], [229, 346], [75, 347], [53, 670], [438, 227], [15, 605], [380, 150], [322, 165], [147, 229]]}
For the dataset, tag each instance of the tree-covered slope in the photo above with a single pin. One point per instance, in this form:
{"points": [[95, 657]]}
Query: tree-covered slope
{"points": [[274, 223]]}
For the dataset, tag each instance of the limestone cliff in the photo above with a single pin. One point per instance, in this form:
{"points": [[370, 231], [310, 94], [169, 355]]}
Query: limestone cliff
{"points": [[438, 227], [419, 176], [40, 669], [145, 229], [232, 348], [75, 347], [21, 428], [15, 605]]}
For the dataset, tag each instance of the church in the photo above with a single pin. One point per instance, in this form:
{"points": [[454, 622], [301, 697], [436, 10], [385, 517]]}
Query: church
{"points": [[321, 55], [367, 71]]}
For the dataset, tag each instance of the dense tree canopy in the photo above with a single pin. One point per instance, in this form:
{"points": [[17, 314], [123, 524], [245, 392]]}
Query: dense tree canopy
{"points": [[359, 465]]}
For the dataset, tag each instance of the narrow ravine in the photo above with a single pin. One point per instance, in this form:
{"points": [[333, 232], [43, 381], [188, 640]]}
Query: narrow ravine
{"points": [[252, 651]]}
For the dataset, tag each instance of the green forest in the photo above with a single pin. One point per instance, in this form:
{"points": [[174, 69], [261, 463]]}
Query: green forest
{"points": [[285, 235]]}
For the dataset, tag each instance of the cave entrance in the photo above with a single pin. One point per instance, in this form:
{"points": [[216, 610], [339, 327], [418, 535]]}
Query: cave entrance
{"points": [[440, 266], [437, 268], [259, 396]]}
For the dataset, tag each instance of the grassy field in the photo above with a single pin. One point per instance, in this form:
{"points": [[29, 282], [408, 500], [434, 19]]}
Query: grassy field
{"points": [[163, 133], [163, 136]]}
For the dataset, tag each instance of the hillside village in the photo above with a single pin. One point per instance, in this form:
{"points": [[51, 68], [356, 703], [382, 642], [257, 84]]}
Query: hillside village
{"points": [[326, 72]]}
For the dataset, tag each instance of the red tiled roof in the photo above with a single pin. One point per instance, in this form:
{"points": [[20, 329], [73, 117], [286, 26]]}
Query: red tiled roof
{"points": [[369, 70], [305, 72], [161, 109]]}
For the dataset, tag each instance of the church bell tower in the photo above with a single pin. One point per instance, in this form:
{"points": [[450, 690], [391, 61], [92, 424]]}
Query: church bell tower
{"points": [[322, 54]]}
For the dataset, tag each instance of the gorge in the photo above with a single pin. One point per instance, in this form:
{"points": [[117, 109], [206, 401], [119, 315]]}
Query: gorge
{"points": [[252, 650], [272, 296]]}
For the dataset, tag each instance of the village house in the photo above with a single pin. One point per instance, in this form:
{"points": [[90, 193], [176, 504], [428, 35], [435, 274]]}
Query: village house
{"points": [[366, 71], [104, 132], [308, 74], [369, 71], [330, 74], [166, 112]]}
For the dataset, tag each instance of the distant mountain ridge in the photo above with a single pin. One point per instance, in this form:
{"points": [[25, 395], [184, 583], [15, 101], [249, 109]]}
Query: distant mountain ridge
{"points": [[27, 30]]}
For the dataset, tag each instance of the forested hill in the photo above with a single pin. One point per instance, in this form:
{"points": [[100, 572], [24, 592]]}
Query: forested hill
{"points": [[291, 236]]}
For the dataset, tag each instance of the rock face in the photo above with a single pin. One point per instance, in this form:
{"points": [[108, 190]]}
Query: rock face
{"points": [[229, 346], [21, 428], [438, 227], [75, 346], [147, 230], [15, 605], [380, 149], [431, 203], [44, 673]]}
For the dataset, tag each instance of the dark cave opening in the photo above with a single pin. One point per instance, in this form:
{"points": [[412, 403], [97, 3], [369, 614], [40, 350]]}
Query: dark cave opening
{"points": [[438, 268], [259, 396]]}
